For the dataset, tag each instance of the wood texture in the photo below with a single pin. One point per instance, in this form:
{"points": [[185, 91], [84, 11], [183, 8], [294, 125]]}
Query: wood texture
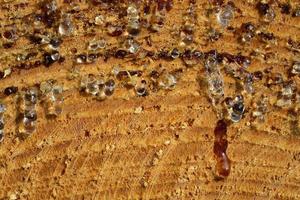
{"points": [[154, 147]]}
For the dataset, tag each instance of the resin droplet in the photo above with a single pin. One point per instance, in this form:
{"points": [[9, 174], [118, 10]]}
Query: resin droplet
{"points": [[132, 46], [52, 98], [235, 108], [27, 111], [214, 79], [187, 29], [97, 86], [167, 81], [296, 12], [66, 27], [96, 44], [99, 20], [248, 32], [157, 19], [220, 146], [141, 88], [225, 15], [261, 108], [114, 30], [285, 97], [133, 26], [248, 82], [270, 15], [90, 84], [191, 58], [109, 87], [81, 59], [10, 90], [296, 68], [223, 165], [267, 12]]}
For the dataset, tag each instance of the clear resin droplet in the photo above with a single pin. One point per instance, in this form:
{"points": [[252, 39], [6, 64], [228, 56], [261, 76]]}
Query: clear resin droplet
{"points": [[167, 81], [214, 79], [66, 27], [269, 16], [99, 20], [141, 88], [97, 86], [225, 15], [132, 11], [52, 95], [2, 108], [236, 108], [96, 44], [27, 111], [296, 68], [285, 97], [132, 46]]}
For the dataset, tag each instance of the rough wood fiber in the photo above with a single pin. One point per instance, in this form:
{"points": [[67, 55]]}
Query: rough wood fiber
{"points": [[114, 150]]}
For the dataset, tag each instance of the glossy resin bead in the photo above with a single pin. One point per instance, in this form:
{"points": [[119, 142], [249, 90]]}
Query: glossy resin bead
{"points": [[27, 111], [223, 164], [52, 96]]}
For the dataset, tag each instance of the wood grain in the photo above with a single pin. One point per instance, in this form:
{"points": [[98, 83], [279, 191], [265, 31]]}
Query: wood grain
{"points": [[108, 150]]}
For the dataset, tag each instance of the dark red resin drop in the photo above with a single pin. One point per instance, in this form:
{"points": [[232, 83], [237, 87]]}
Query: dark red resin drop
{"points": [[220, 147]]}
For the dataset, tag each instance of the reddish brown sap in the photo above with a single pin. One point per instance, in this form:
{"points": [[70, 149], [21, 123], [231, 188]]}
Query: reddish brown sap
{"points": [[220, 146]]}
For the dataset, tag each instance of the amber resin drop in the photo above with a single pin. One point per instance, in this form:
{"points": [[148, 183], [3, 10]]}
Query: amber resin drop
{"points": [[220, 147]]}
